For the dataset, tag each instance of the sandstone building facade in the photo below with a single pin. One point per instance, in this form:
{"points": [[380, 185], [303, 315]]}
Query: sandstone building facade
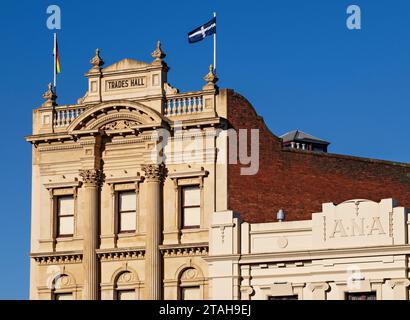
{"points": [[139, 192]]}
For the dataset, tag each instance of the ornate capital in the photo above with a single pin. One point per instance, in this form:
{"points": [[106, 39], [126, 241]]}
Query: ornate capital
{"points": [[92, 176], [154, 172]]}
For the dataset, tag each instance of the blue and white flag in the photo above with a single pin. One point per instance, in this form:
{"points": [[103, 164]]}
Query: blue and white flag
{"points": [[203, 31]]}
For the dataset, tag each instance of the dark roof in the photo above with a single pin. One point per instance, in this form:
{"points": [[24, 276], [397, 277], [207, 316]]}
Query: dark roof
{"points": [[301, 136]]}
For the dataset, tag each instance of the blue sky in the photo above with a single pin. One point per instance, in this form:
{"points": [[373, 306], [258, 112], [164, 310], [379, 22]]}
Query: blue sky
{"points": [[295, 61]]}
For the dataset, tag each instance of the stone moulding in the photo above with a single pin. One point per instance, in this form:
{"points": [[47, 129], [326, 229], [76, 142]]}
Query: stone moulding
{"points": [[58, 147], [65, 184], [182, 251], [121, 254], [64, 258], [102, 114]]}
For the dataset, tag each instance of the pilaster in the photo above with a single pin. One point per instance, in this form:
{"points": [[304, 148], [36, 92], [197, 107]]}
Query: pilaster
{"points": [[92, 180], [154, 175]]}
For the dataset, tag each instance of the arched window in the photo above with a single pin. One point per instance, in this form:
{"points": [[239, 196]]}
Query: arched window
{"points": [[191, 285], [125, 286], [62, 288]]}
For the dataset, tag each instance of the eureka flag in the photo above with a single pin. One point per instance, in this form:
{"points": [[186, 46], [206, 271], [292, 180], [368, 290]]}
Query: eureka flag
{"points": [[203, 31]]}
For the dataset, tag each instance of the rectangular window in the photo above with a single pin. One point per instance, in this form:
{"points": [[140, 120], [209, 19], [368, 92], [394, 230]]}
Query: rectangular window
{"points": [[191, 207], [361, 296], [127, 214], [65, 216], [190, 293], [63, 296], [126, 295]]}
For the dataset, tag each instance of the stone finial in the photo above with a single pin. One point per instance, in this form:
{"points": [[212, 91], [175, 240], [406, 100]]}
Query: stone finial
{"points": [[97, 61], [211, 79], [50, 97], [158, 54]]}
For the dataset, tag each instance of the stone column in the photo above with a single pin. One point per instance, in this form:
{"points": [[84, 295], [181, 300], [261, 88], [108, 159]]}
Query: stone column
{"points": [[92, 181], [154, 175]]}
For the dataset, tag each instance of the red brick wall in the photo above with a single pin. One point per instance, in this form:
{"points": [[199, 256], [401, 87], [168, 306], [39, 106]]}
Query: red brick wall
{"points": [[300, 181]]}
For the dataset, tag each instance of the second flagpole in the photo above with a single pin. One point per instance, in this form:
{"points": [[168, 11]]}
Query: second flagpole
{"points": [[215, 47]]}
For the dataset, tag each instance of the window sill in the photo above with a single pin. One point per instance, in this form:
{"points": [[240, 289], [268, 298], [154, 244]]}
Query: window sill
{"points": [[127, 234], [192, 230], [65, 238]]}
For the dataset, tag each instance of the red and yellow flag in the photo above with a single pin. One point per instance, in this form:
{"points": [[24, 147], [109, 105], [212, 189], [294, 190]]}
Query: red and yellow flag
{"points": [[57, 57]]}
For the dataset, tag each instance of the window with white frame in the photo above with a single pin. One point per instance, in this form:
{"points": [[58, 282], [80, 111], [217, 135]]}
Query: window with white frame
{"points": [[191, 206], [125, 294], [65, 216], [127, 211], [191, 293], [63, 296], [361, 295]]}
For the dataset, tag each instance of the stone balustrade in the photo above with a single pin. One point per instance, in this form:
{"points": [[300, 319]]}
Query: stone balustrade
{"points": [[180, 104], [184, 104], [64, 115]]}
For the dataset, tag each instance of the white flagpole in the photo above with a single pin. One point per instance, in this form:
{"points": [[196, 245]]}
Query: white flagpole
{"points": [[54, 54], [215, 47]]}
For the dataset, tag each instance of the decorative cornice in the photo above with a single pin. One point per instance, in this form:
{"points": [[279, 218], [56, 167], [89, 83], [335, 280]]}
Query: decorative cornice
{"points": [[92, 176], [177, 133], [154, 172], [121, 254], [189, 174], [52, 258], [183, 251], [137, 178], [312, 254], [59, 147], [65, 184]]}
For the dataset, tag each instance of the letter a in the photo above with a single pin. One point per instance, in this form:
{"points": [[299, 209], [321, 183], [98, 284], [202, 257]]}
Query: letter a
{"points": [[354, 21], [376, 226], [338, 229], [54, 20]]}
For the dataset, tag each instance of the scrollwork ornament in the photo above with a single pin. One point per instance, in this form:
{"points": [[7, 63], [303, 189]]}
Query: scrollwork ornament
{"points": [[119, 125]]}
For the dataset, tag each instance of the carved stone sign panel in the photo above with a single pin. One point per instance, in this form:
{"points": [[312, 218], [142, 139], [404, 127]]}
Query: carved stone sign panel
{"points": [[127, 83], [357, 223]]}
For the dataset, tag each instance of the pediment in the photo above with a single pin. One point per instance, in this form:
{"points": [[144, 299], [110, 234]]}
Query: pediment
{"points": [[125, 64]]}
